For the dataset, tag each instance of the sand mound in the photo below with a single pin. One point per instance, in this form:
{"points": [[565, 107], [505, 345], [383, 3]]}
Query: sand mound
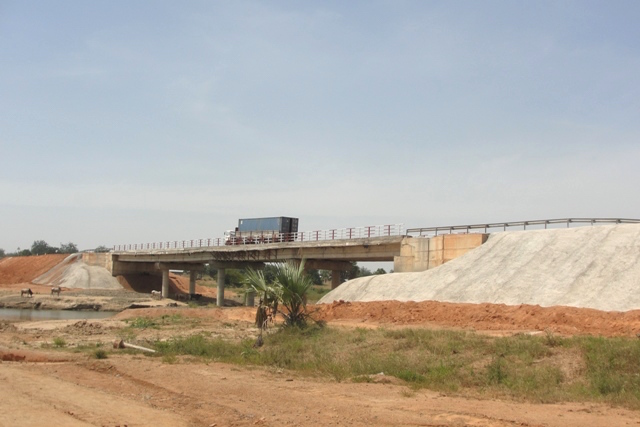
{"points": [[73, 273], [589, 267]]}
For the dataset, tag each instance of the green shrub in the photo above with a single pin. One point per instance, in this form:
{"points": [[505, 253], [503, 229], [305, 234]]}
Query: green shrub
{"points": [[142, 323]]}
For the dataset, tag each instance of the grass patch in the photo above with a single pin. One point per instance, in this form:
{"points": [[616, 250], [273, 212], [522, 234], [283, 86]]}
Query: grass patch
{"points": [[201, 346], [533, 368], [612, 368], [142, 323], [317, 291], [100, 354], [59, 342]]}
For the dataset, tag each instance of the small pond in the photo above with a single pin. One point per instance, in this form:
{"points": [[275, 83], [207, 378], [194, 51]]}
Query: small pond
{"points": [[28, 314]]}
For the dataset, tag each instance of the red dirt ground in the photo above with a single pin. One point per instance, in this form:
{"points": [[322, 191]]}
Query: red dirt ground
{"points": [[24, 269], [486, 317]]}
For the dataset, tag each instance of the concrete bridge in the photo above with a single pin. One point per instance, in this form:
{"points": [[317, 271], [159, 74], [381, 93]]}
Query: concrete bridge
{"points": [[407, 254], [415, 250]]}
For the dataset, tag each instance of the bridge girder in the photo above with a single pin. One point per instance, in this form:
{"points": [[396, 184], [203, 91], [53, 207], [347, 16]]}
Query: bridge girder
{"points": [[333, 255]]}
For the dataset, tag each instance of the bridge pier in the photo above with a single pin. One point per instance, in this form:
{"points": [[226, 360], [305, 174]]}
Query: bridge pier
{"points": [[220, 296], [335, 278], [165, 283]]}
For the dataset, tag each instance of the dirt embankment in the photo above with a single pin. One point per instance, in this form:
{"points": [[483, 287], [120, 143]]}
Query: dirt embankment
{"points": [[14, 270], [484, 317]]}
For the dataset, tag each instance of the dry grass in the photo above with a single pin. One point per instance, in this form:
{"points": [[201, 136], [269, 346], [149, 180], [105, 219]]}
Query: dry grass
{"points": [[522, 367]]}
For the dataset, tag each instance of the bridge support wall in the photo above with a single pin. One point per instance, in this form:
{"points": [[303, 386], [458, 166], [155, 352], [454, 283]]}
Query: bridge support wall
{"points": [[420, 254], [98, 259]]}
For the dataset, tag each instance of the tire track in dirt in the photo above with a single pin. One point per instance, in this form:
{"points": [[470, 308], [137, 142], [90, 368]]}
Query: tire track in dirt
{"points": [[54, 400]]}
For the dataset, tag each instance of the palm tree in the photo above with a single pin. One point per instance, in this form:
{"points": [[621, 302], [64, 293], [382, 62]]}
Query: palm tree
{"points": [[268, 297], [288, 289]]}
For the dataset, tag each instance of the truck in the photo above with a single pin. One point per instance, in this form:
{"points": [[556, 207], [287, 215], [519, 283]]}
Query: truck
{"points": [[263, 230]]}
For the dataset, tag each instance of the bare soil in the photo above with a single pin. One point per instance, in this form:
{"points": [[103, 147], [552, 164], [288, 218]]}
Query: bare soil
{"points": [[25, 269], [486, 317], [41, 385]]}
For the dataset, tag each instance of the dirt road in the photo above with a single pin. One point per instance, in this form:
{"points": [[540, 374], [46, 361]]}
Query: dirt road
{"points": [[139, 391]]}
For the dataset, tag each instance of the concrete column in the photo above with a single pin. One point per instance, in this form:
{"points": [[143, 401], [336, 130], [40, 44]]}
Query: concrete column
{"points": [[192, 282], [220, 298], [335, 278], [250, 299], [165, 283]]}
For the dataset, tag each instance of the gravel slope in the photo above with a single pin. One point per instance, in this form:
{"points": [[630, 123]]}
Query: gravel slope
{"points": [[73, 273], [592, 267]]}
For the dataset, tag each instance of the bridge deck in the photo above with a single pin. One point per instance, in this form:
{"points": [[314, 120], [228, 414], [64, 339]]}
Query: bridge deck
{"points": [[365, 249]]}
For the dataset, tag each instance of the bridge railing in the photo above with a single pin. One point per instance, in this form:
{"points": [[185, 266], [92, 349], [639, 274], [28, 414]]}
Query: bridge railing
{"points": [[262, 238], [503, 226]]}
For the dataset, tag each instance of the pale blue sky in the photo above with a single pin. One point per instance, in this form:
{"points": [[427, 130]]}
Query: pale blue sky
{"points": [[142, 121]]}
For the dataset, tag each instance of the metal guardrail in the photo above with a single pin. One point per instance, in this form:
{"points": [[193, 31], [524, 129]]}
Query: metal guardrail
{"points": [[365, 232], [261, 238], [429, 231]]}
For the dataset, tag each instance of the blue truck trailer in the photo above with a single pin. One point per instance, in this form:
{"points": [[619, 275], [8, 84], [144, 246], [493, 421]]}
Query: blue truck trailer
{"points": [[263, 230]]}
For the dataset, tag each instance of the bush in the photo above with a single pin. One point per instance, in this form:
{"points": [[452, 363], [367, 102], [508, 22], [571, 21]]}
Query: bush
{"points": [[143, 323], [288, 289]]}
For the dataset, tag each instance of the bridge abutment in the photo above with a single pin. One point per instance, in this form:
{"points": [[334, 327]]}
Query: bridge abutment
{"points": [[422, 253]]}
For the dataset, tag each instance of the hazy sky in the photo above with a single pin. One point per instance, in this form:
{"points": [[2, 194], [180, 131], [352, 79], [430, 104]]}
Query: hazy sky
{"points": [[141, 121]]}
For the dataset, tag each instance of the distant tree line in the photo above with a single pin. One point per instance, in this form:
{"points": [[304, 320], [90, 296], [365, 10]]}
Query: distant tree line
{"points": [[40, 247]]}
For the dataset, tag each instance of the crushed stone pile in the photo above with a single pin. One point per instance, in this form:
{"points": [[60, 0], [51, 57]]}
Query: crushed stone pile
{"points": [[74, 273], [589, 267]]}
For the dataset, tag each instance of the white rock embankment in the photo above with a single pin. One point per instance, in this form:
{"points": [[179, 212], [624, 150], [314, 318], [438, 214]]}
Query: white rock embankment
{"points": [[592, 267], [74, 273]]}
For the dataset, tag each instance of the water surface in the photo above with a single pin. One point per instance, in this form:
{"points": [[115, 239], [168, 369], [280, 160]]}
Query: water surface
{"points": [[29, 314]]}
